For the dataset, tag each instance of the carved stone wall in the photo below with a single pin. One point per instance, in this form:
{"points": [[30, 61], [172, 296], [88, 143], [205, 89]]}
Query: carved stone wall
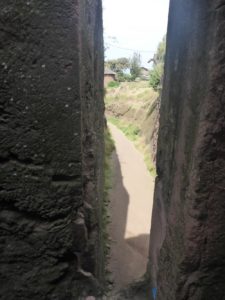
{"points": [[187, 257], [51, 130]]}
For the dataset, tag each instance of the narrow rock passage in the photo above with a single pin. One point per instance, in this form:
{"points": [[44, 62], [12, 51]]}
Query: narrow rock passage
{"points": [[131, 206]]}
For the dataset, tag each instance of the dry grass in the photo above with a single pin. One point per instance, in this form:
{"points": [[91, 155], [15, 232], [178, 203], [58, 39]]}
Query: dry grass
{"points": [[136, 93], [131, 107]]}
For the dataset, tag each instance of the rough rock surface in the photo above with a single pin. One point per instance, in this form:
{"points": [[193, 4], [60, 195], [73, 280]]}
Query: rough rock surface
{"points": [[187, 257], [51, 129]]}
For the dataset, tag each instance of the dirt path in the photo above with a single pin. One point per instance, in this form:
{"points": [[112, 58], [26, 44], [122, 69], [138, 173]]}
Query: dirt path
{"points": [[130, 209]]}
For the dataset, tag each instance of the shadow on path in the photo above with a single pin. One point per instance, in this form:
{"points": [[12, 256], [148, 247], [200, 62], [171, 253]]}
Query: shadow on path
{"points": [[128, 260]]}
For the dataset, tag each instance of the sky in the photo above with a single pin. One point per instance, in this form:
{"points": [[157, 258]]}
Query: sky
{"points": [[138, 25]]}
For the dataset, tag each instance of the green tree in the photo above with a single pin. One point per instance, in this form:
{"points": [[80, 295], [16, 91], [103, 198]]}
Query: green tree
{"points": [[156, 74], [119, 65], [135, 65], [123, 77], [159, 57]]}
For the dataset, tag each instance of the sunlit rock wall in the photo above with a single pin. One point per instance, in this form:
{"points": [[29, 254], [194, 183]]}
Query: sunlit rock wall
{"points": [[187, 257], [51, 123]]}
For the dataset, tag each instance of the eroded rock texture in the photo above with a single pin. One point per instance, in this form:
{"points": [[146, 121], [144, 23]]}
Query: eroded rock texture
{"points": [[51, 124], [187, 250]]}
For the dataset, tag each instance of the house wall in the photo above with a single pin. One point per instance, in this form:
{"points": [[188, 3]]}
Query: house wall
{"points": [[144, 72], [108, 79]]}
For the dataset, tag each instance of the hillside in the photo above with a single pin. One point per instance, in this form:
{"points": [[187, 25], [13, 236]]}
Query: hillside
{"points": [[134, 108]]}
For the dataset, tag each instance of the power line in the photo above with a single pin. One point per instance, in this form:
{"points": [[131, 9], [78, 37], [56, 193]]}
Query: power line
{"points": [[128, 49]]}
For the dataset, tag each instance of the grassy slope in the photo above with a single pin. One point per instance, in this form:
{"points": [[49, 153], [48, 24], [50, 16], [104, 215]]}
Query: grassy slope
{"points": [[133, 108]]}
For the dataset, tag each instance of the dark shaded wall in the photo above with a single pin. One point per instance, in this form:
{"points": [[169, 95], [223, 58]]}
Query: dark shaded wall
{"points": [[51, 130], [187, 257]]}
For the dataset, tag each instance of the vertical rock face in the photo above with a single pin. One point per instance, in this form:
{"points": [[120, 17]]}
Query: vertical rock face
{"points": [[187, 257], [92, 70], [51, 123]]}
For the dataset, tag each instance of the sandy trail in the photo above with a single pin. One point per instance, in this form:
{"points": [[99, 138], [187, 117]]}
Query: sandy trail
{"points": [[130, 209]]}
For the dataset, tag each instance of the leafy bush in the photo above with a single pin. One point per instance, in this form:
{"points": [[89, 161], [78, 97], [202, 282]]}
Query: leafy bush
{"points": [[121, 77], [156, 75], [113, 84]]}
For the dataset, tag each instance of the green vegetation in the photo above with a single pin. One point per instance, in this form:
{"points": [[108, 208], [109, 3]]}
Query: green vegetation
{"points": [[134, 93], [149, 163], [133, 133], [161, 51], [156, 74], [122, 77], [135, 65], [122, 66], [113, 84], [109, 148], [132, 107], [119, 65], [130, 130]]}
